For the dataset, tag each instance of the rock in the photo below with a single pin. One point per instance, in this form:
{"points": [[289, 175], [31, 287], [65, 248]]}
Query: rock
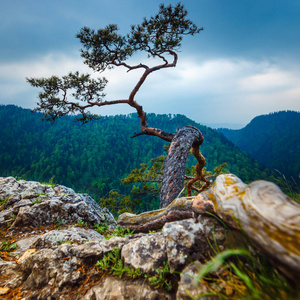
{"points": [[118, 242], [35, 204], [9, 186], [27, 243], [72, 235], [10, 275], [146, 253], [89, 252], [187, 240], [46, 265], [117, 289], [52, 269], [6, 215], [187, 289], [20, 204]]}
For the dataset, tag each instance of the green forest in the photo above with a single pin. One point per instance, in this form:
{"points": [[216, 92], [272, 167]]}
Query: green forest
{"points": [[273, 140], [93, 158]]}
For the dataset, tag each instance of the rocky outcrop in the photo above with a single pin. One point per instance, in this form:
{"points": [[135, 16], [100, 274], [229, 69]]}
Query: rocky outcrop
{"points": [[27, 203], [56, 260], [66, 258]]}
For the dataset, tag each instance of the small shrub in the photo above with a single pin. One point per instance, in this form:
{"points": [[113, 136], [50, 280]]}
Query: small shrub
{"points": [[81, 224], [66, 242], [8, 246], [37, 201], [113, 264], [2, 202], [118, 231], [159, 280], [58, 223]]}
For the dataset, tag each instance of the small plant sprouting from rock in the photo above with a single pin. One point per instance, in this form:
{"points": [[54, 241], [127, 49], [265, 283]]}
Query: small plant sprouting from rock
{"points": [[58, 223], [37, 201], [7, 246], [81, 224], [51, 183], [113, 264], [42, 194], [118, 231], [66, 242], [2, 202], [159, 280], [102, 228]]}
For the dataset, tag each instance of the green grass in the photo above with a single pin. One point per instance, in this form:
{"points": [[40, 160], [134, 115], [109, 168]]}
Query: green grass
{"points": [[289, 187], [81, 224], [37, 201], [237, 273], [118, 231], [112, 264], [2, 202], [8, 246]]}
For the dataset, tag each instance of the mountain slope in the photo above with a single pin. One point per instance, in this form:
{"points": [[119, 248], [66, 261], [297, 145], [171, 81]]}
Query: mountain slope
{"points": [[94, 157], [273, 140]]}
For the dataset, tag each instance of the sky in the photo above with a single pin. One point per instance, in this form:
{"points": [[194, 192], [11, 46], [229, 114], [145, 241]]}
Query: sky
{"points": [[245, 63]]}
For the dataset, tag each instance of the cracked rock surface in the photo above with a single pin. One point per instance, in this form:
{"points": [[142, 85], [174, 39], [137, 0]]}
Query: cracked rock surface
{"points": [[56, 260]]}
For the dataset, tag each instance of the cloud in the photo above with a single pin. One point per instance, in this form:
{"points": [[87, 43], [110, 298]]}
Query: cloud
{"points": [[214, 90]]}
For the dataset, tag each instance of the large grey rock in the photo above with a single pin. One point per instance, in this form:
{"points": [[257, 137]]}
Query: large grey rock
{"points": [[146, 253], [118, 242], [117, 289], [9, 186], [58, 266], [187, 240], [26, 243], [35, 204], [72, 235]]}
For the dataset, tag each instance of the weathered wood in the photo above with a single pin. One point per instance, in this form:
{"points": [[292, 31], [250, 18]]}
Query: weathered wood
{"points": [[269, 218], [175, 165], [180, 208]]}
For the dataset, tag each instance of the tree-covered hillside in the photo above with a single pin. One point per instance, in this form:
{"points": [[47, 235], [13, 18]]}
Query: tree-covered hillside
{"points": [[92, 158], [273, 140]]}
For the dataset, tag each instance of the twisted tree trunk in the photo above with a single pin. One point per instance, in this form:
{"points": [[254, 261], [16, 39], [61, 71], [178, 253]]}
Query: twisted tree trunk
{"points": [[174, 170]]}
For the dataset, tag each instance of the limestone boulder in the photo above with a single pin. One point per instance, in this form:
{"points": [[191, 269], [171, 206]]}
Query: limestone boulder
{"points": [[117, 289], [187, 240], [187, 287], [30, 203], [146, 253], [71, 235]]}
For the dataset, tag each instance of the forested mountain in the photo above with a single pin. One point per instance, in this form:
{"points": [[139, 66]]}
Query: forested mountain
{"points": [[92, 158], [273, 140]]}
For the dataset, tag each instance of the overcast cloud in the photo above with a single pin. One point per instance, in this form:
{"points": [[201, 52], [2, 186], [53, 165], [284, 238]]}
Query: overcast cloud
{"points": [[245, 63]]}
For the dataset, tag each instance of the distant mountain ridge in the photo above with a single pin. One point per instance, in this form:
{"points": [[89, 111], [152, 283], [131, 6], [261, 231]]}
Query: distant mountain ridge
{"points": [[94, 157], [273, 140]]}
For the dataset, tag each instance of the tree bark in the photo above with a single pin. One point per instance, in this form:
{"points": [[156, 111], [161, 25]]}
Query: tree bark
{"points": [[179, 209], [175, 165]]}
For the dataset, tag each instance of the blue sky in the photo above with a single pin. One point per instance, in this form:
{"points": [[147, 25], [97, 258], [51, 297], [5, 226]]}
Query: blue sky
{"points": [[245, 63]]}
